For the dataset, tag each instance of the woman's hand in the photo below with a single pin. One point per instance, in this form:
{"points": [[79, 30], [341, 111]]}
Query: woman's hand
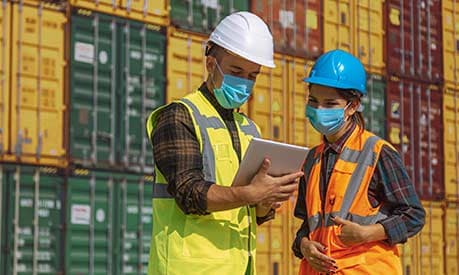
{"points": [[314, 253], [354, 234]]}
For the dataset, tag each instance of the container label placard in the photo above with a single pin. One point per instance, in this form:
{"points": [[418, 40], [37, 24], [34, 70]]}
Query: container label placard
{"points": [[81, 214], [84, 52]]}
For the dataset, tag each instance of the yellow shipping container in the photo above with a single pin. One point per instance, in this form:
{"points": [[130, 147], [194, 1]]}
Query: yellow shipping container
{"points": [[431, 240], [4, 76], [186, 68], [451, 238], [155, 12], [301, 131], [279, 99], [451, 142], [450, 20], [273, 243], [37, 86], [357, 27], [268, 107], [409, 255]]}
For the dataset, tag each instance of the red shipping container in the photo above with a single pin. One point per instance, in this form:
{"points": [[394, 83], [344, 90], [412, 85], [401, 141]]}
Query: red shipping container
{"points": [[414, 39], [296, 25], [415, 128]]}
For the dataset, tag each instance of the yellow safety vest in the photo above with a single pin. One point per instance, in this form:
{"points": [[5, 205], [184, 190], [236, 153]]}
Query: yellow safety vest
{"points": [[218, 243]]}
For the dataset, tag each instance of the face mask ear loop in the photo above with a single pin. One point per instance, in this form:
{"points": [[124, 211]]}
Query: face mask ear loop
{"points": [[213, 74]]}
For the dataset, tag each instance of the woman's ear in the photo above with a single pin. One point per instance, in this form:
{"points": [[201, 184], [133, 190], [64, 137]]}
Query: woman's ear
{"points": [[353, 107]]}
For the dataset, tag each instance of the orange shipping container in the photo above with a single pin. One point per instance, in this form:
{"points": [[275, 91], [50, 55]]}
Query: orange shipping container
{"points": [[451, 141], [155, 12], [357, 27], [4, 76], [37, 85], [296, 25]]}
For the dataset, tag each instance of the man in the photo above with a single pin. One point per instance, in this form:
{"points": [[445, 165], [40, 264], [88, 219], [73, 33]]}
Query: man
{"points": [[202, 224]]}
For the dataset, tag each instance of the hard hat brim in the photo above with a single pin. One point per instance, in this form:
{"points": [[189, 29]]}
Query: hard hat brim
{"points": [[330, 83]]}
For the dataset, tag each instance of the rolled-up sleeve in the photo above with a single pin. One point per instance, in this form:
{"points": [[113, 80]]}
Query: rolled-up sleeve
{"points": [[177, 155], [406, 214]]}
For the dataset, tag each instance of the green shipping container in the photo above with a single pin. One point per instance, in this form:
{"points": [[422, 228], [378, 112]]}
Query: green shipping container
{"points": [[31, 220], [142, 83], [109, 223], [134, 217], [203, 15], [117, 79], [374, 105], [90, 224]]}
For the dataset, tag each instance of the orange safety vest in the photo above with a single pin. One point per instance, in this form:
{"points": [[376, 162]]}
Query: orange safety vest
{"points": [[347, 197]]}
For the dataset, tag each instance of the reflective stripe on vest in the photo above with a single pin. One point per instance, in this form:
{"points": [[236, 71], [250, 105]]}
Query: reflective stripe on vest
{"points": [[363, 158], [208, 158]]}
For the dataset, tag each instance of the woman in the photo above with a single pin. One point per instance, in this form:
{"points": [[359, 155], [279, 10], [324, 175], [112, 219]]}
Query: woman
{"points": [[355, 198]]}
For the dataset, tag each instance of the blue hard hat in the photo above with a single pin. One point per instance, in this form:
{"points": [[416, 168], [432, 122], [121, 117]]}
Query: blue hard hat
{"points": [[339, 69]]}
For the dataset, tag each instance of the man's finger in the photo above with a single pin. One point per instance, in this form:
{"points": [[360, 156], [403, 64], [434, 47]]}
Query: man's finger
{"points": [[290, 177], [265, 166]]}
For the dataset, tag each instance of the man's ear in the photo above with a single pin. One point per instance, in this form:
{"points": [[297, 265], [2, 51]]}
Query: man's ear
{"points": [[210, 63]]}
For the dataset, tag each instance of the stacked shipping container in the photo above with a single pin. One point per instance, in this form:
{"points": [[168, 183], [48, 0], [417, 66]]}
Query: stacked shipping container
{"points": [[82, 214]]}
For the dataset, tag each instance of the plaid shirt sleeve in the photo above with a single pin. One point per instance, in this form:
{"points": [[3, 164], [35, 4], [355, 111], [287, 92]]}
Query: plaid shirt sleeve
{"points": [[398, 194], [178, 157]]}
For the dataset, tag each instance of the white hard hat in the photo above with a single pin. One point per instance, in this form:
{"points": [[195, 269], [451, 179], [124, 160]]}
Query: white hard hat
{"points": [[246, 35]]}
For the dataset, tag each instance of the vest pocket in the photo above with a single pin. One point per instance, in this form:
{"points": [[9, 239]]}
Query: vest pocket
{"points": [[206, 238]]}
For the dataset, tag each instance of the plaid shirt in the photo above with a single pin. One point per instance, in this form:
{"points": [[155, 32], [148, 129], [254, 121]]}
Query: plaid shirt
{"points": [[390, 185], [178, 157]]}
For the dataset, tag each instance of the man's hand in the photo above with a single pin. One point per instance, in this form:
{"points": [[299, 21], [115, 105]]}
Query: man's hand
{"points": [[267, 189]]}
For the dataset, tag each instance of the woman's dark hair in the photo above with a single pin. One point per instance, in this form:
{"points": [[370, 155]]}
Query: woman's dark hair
{"points": [[351, 95]]}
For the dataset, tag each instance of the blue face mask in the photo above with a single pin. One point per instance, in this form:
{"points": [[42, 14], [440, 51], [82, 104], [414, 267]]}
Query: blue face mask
{"points": [[234, 90], [326, 121]]}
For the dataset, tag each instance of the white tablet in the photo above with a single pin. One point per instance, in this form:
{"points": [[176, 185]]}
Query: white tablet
{"points": [[285, 158]]}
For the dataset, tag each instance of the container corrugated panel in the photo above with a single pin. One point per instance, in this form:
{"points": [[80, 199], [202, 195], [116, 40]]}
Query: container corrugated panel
{"points": [[37, 86], [451, 143], [431, 238], [415, 127], [409, 256], [301, 131], [451, 221], [93, 88], [117, 69], [141, 88], [134, 216], [450, 17], [5, 18], [90, 223], [273, 247], [186, 66], [357, 27], [296, 25], [203, 15], [374, 105], [32, 221], [414, 40], [154, 12], [269, 105]]}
